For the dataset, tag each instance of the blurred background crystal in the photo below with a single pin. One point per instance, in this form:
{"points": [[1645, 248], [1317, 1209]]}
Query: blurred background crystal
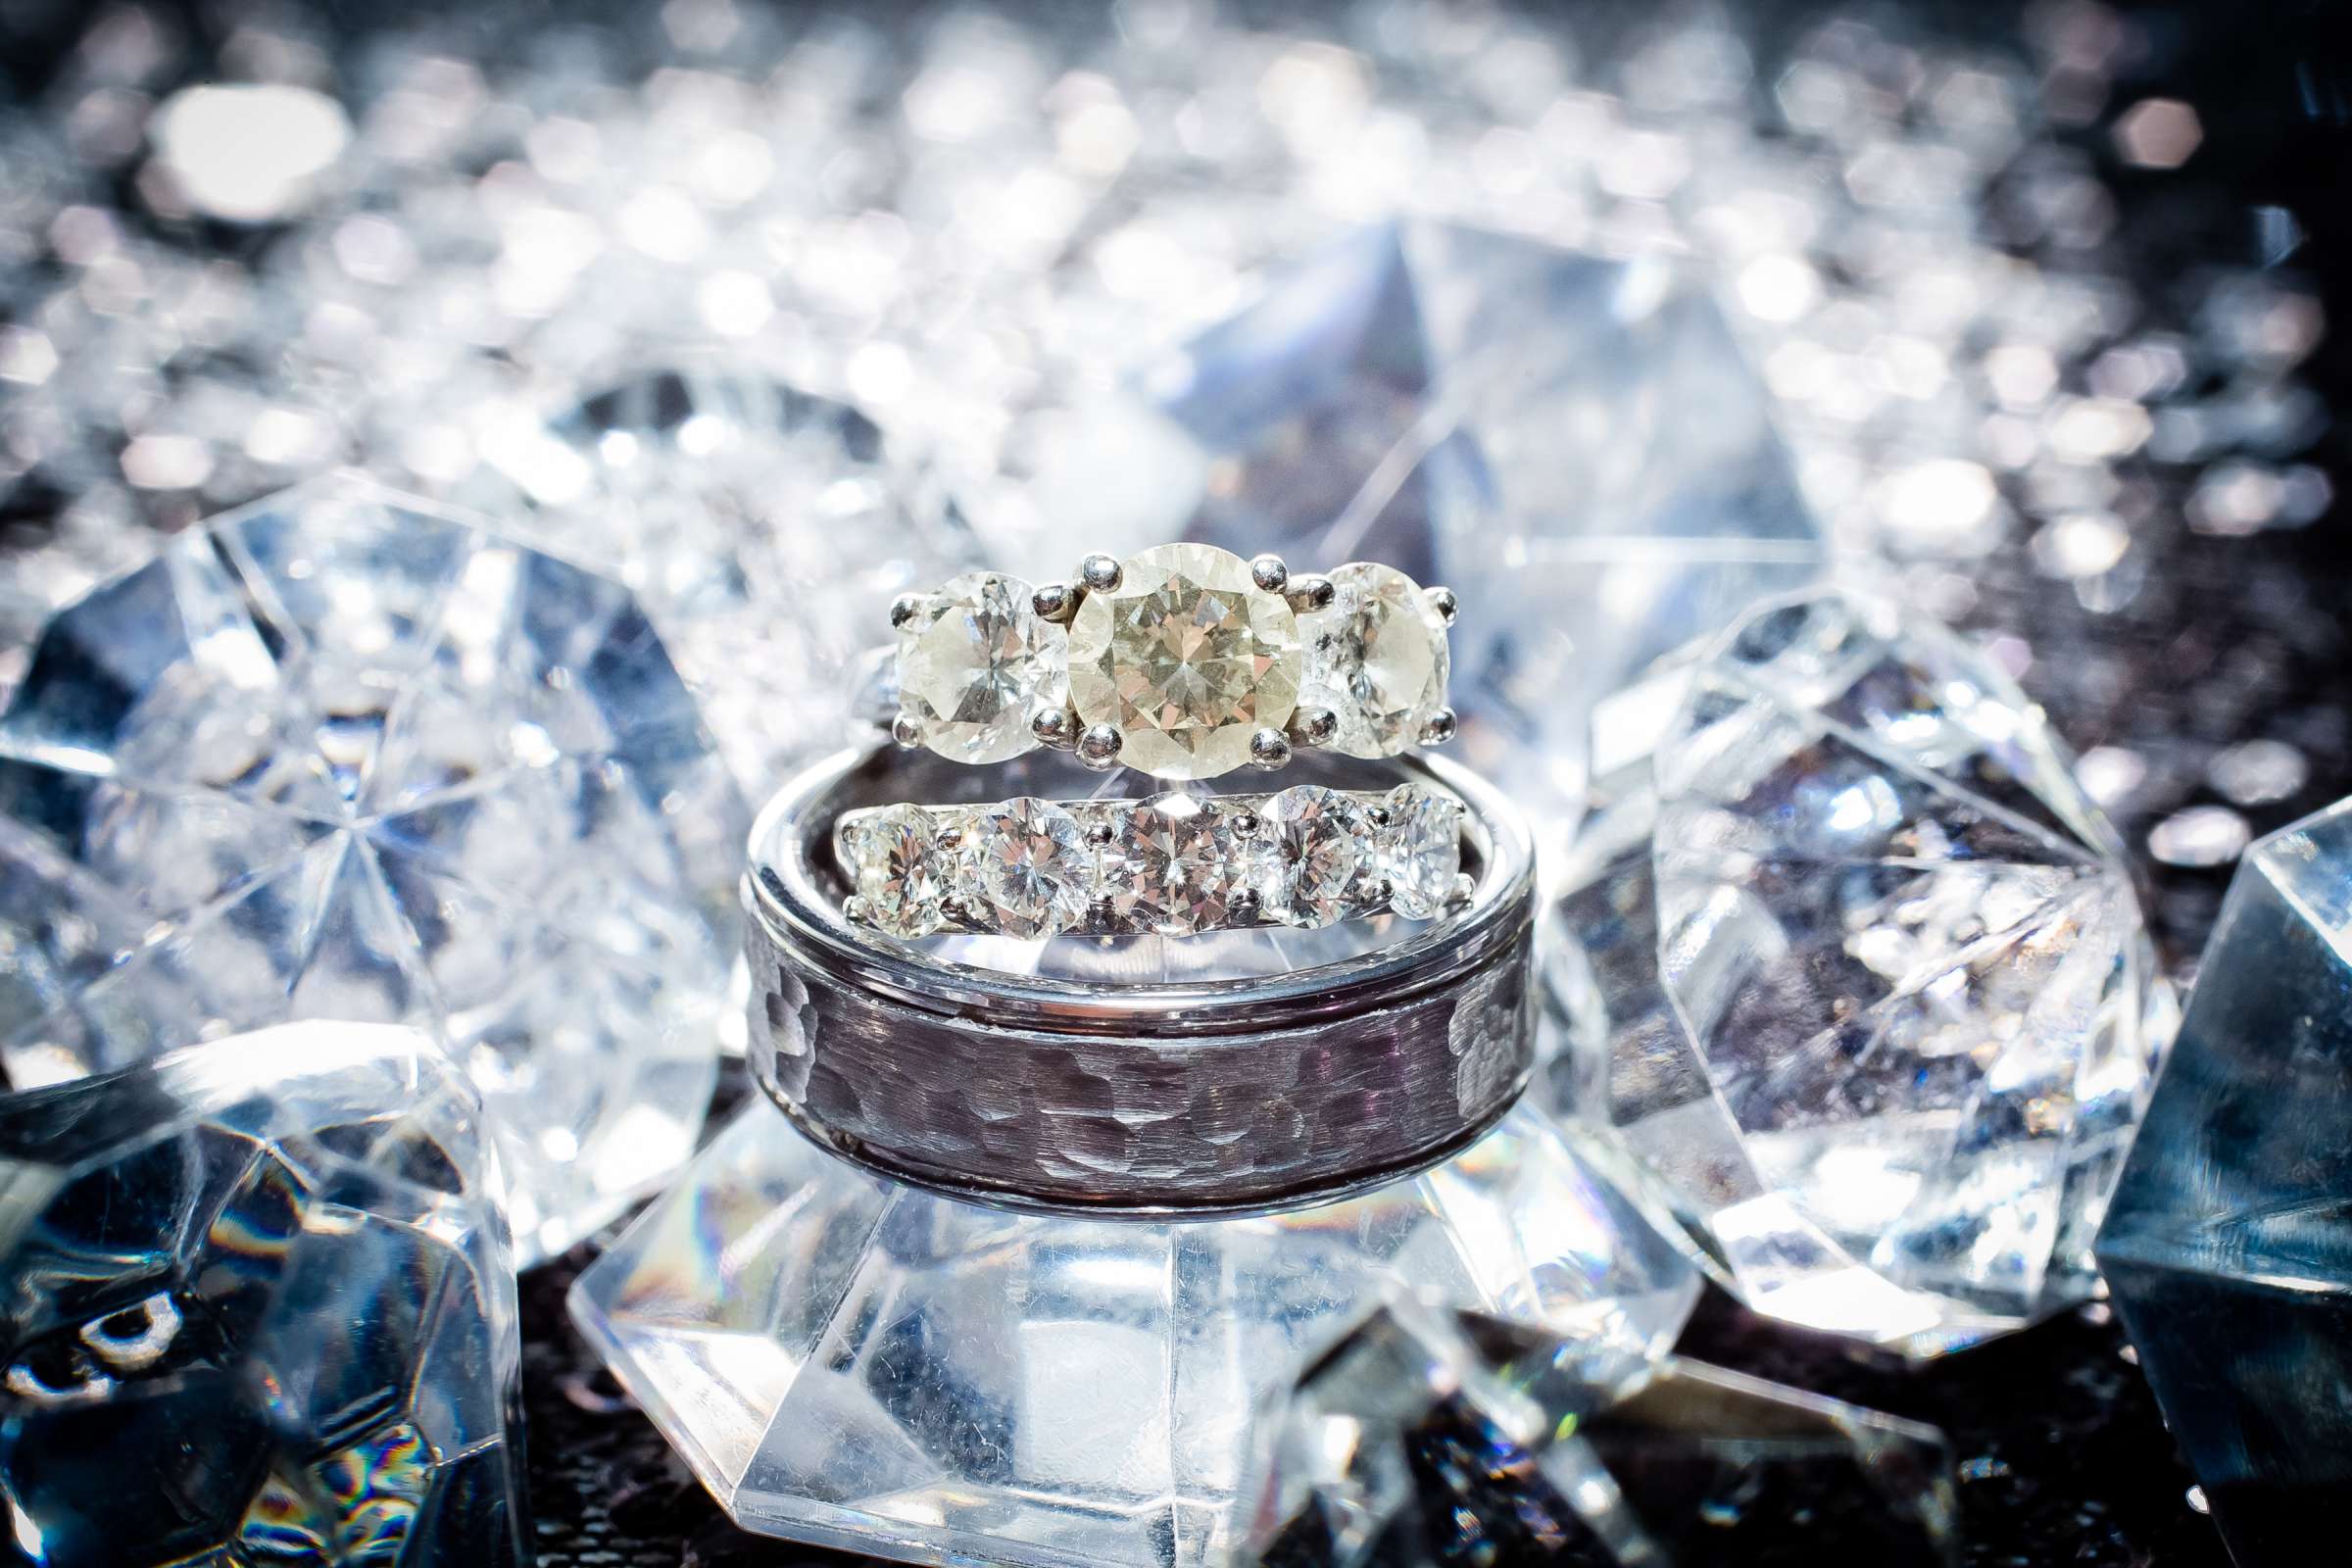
{"points": [[260, 1309], [233, 255], [1574, 444], [1859, 977], [764, 529], [344, 755], [2229, 1247], [842, 1359], [1426, 1436]]}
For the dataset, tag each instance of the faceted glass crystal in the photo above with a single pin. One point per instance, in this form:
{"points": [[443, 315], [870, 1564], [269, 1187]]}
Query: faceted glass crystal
{"points": [[341, 755], [1426, 1438], [1187, 659], [975, 663], [844, 1359], [764, 529], [2229, 1244], [260, 1309], [1175, 865], [1421, 852], [1862, 980], [1316, 841], [1034, 866], [1575, 444], [1377, 658]]}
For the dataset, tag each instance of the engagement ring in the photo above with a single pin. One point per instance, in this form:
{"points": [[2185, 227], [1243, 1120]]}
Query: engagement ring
{"points": [[1184, 661]]}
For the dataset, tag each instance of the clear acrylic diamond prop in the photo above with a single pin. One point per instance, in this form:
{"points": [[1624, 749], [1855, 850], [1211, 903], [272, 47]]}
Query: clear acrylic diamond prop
{"points": [[765, 529], [1861, 978], [860, 1364], [259, 1308], [2229, 1247], [342, 755], [1427, 1438], [1575, 445]]}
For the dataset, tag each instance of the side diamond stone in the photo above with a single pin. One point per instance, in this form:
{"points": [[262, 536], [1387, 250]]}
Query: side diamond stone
{"points": [[1033, 867], [1377, 658], [975, 662], [892, 859], [1174, 865], [1421, 850], [1187, 659], [1316, 846]]}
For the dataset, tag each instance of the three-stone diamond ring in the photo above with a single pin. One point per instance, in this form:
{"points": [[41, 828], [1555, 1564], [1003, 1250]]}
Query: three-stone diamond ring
{"points": [[1184, 661], [1174, 865]]}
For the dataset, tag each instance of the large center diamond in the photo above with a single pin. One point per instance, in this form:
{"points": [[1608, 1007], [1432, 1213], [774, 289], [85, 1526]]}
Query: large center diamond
{"points": [[1187, 659], [1575, 444], [345, 756]]}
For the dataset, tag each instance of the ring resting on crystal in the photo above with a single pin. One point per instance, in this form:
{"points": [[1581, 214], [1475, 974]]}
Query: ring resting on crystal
{"points": [[1172, 866], [1230, 1073], [1184, 661]]}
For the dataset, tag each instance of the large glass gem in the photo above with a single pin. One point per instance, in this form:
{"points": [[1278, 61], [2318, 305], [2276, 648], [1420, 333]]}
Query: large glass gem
{"points": [[258, 1308], [765, 529], [860, 1364], [341, 755], [1440, 1438], [1859, 975], [2229, 1244], [1574, 444]]}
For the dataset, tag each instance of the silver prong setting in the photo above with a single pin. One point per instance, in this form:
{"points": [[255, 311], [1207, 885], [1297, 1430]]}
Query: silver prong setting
{"points": [[1463, 886], [1310, 593], [1055, 727], [1376, 892], [1101, 573], [1269, 573], [1269, 750], [1442, 603], [1439, 727], [1312, 727], [906, 733], [1243, 823], [856, 910], [1099, 746], [1055, 602], [905, 608], [1244, 908]]}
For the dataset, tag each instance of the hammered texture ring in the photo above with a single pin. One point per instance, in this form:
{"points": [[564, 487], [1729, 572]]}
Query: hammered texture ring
{"points": [[1263, 1069]]}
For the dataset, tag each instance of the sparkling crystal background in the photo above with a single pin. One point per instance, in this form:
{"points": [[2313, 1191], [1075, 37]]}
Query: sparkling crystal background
{"points": [[2064, 389]]}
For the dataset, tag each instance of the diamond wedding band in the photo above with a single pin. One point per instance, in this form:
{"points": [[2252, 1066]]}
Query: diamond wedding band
{"points": [[1364, 1051], [1171, 866], [1184, 661]]}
